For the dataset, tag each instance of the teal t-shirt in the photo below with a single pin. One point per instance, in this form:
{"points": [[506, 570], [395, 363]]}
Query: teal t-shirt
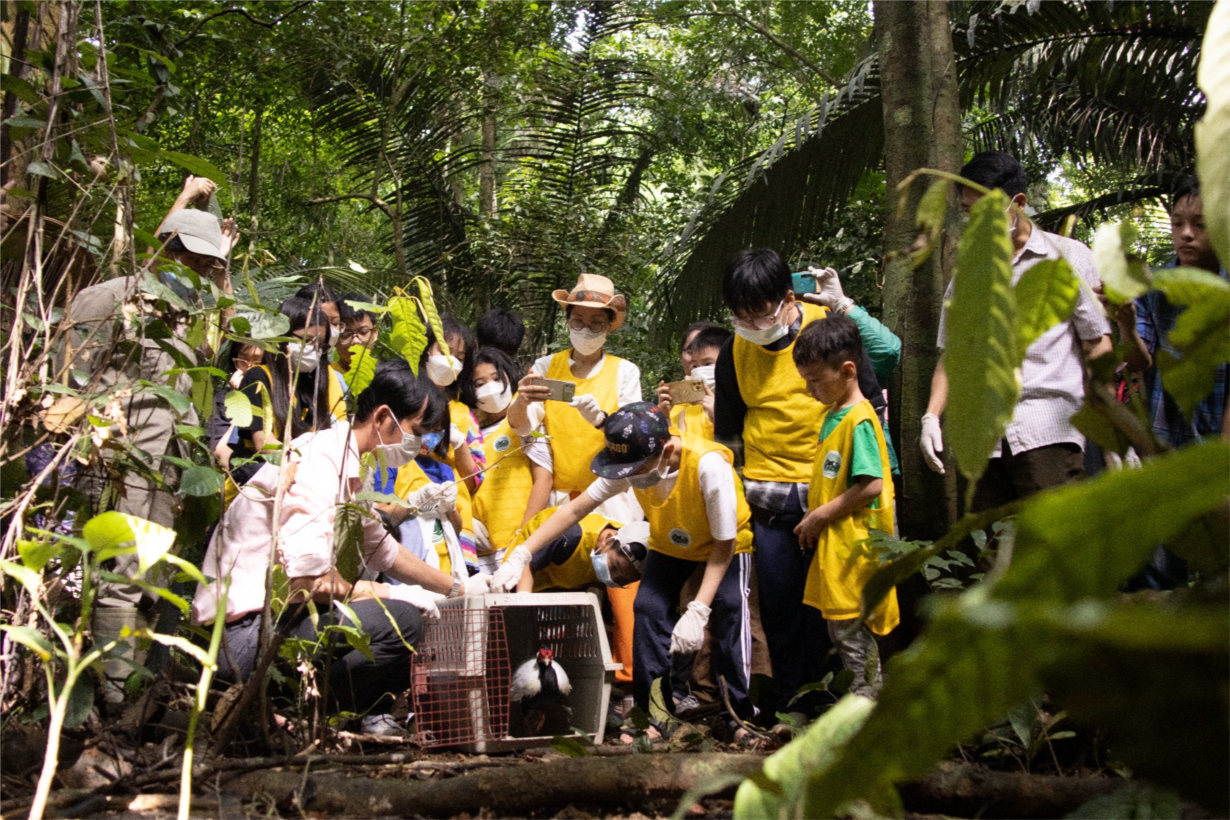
{"points": [[865, 456]]}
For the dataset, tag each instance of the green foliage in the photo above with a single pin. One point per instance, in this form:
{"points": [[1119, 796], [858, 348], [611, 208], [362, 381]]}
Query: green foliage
{"points": [[408, 335], [1201, 336], [1213, 130], [1123, 277], [980, 355], [362, 369], [1045, 296]]}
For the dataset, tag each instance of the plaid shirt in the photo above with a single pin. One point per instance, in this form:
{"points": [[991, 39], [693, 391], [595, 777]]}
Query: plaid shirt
{"points": [[1155, 318], [1052, 378]]}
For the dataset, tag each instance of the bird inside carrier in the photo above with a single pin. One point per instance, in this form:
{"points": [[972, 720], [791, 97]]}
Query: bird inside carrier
{"points": [[505, 672]]}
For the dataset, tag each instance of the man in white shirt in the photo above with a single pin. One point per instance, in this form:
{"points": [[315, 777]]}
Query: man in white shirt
{"points": [[321, 471], [1040, 447]]}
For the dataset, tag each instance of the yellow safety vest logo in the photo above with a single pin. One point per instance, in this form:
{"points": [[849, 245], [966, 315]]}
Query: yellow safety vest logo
{"points": [[832, 464], [680, 538]]}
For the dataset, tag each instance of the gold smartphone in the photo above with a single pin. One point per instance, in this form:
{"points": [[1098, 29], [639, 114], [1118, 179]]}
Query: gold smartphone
{"points": [[688, 391]]}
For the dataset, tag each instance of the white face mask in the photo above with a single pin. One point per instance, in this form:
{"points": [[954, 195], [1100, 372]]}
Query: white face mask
{"points": [[585, 341], [602, 568], [399, 452], [705, 374], [334, 336], [644, 481], [442, 370], [768, 335], [303, 358], [493, 397]]}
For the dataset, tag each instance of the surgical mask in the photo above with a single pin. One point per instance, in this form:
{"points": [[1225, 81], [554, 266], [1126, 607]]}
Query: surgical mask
{"points": [[334, 335], [432, 440], [646, 480], [443, 370], [493, 397], [602, 568], [705, 374], [303, 358], [585, 341], [399, 452], [761, 337]]}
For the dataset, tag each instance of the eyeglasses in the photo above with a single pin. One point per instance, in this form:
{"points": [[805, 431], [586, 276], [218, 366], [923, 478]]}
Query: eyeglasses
{"points": [[357, 335], [595, 325], [760, 322]]}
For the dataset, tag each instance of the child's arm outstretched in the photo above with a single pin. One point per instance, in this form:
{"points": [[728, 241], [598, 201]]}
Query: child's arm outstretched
{"points": [[858, 495]]}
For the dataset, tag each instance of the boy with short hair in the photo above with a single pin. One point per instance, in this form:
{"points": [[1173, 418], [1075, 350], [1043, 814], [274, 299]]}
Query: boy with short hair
{"points": [[851, 493], [359, 327], [700, 352]]}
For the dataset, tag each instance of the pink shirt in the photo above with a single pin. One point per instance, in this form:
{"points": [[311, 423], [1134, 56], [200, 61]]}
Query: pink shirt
{"points": [[326, 475]]}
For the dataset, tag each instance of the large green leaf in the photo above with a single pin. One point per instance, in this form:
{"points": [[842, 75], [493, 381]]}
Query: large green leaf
{"points": [[1124, 278], [409, 336], [200, 480], [980, 352], [113, 533], [362, 369], [238, 408], [1213, 131], [1045, 296], [1201, 335]]}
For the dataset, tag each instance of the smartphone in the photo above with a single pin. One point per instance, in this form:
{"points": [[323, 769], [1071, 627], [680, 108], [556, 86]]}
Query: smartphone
{"points": [[804, 282], [561, 389], [688, 391]]}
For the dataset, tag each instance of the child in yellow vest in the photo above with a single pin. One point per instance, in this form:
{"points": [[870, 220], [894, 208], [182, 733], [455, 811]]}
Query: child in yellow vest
{"points": [[851, 493], [697, 515], [595, 550], [701, 347]]}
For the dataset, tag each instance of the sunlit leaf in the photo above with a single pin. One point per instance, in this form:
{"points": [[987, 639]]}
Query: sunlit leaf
{"points": [[238, 408], [1045, 296], [1123, 277]]}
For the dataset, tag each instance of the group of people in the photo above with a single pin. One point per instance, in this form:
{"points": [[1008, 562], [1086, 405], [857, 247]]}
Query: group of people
{"points": [[736, 522]]}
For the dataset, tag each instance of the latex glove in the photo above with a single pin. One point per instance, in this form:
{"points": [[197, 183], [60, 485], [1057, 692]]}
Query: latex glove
{"points": [[505, 578], [932, 442], [430, 499], [588, 407], [831, 295], [456, 437], [424, 600], [476, 585], [448, 497], [689, 632]]}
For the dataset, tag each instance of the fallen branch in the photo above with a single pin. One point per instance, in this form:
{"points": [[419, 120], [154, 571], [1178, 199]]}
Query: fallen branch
{"points": [[630, 781], [963, 790]]}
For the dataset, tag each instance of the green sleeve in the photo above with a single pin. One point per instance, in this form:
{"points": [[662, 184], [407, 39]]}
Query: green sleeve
{"points": [[865, 455], [882, 345]]}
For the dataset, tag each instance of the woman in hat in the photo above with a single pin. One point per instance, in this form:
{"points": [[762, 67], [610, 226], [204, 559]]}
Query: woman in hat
{"points": [[604, 383]]}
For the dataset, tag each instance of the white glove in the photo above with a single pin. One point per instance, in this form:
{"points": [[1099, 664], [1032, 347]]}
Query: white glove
{"points": [[508, 575], [432, 499], [448, 497], [476, 585], [588, 407], [456, 437], [422, 599], [831, 294], [689, 634], [932, 442]]}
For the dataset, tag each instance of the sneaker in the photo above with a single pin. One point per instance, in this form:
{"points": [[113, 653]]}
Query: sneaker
{"points": [[384, 725], [692, 707]]}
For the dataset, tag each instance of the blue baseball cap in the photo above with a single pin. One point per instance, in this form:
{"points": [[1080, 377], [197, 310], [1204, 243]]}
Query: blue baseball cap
{"points": [[634, 433]]}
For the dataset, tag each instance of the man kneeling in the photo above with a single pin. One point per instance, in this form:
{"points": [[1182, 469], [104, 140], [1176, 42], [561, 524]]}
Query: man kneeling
{"points": [[320, 472]]}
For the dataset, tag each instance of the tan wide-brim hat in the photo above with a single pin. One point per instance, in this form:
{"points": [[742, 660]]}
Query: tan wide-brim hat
{"points": [[594, 291]]}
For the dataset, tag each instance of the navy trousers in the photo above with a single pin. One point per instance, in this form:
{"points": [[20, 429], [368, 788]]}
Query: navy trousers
{"points": [[800, 649], [657, 609]]}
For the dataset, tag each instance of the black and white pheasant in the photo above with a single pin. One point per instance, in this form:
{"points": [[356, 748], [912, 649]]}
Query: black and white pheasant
{"points": [[540, 684]]}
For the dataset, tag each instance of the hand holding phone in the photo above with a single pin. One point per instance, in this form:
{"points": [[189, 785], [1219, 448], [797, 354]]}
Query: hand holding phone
{"points": [[687, 391], [560, 389]]}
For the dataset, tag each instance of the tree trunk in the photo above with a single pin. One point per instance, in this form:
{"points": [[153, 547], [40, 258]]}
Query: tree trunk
{"points": [[254, 177], [486, 168], [922, 128]]}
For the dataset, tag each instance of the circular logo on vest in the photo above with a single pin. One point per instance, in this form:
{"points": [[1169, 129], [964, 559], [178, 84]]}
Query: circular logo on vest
{"points": [[680, 538], [502, 443], [832, 464]]}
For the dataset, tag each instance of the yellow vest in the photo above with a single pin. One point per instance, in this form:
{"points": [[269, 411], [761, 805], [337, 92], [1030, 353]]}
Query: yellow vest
{"points": [[503, 496], [679, 526], [411, 477], [574, 441], [779, 431], [458, 414], [577, 571], [843, 562], [691, 418]]}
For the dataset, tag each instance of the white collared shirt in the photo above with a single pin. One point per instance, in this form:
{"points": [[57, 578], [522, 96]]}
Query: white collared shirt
{"points": [[326, 475], [1052, 380]]}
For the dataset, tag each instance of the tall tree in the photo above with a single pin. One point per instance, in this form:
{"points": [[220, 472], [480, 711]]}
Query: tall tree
{"points": [[922, 128]]}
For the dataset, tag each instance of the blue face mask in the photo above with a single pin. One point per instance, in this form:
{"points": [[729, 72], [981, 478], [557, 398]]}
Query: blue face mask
{"points": [[432, 440], [602, 568]]}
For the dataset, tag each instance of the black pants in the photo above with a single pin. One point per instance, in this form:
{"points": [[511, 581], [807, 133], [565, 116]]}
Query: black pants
{"points": [[798, 638], [356, 684], [730, 629]]}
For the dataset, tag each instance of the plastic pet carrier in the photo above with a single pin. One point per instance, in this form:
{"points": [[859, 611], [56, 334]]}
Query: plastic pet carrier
{"points": [[462, 670]]}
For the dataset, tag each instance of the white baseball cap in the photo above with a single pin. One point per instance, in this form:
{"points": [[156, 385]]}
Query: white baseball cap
{"points": [[198, 230]]}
